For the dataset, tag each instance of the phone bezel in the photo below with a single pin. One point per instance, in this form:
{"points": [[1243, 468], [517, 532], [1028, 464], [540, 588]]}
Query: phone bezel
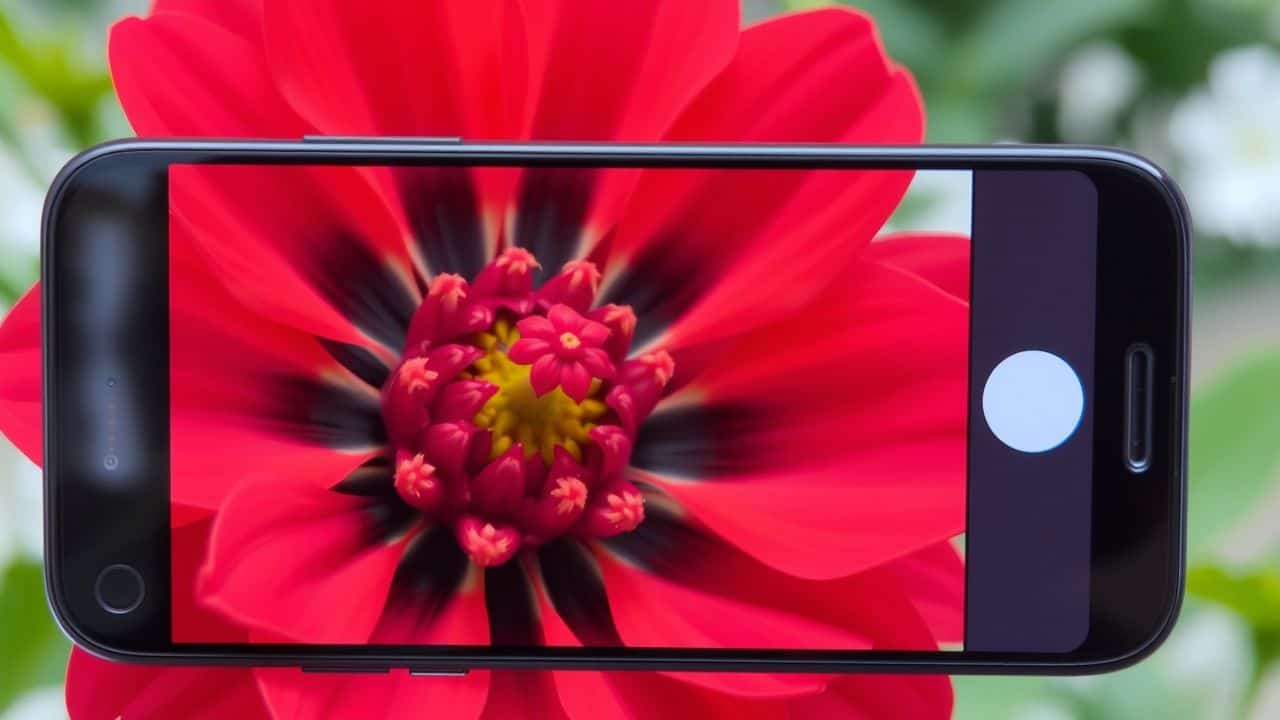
{"points": [[1166, 283]]}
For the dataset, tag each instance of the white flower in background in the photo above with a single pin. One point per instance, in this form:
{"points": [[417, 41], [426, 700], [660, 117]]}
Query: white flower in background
{"points": [[46, 703], [936, 201], [1226, 139], [21, 513], [25, 173], [23, 178], [26, 168], [1095, 84], [1209, 659], [19, 208]]}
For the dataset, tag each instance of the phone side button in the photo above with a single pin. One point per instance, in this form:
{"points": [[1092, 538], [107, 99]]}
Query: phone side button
{"points": [[436, 672], [383, 139], [345, 669]]}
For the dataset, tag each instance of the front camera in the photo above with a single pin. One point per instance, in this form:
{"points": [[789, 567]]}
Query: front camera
{"points": [[111, 461]]}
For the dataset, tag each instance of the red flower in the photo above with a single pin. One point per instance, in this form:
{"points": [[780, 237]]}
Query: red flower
{"points": [[563, 349], [553, 406]]}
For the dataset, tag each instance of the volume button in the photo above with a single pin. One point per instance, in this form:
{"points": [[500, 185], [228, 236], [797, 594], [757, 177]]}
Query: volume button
{"points": [[381, 139]]}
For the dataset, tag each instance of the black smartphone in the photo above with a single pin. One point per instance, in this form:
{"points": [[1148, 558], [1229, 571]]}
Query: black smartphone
{"points": [[358, 403]]}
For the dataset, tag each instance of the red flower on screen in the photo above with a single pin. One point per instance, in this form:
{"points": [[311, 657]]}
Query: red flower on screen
{"points": [[542, 406]]}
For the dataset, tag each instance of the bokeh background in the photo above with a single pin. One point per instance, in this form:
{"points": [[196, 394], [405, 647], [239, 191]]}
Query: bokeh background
{"points": [[1194, 84]]}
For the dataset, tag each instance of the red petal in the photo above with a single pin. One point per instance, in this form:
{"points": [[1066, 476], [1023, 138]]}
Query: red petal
{"points": [[211, 453], [241, 17], [596, 362], [293, 694], [576, 380], [573, 291], [934, 578], [437, 597], [640, 383], [487, 544], [677, 226], [498, 488], [927, 697], [20, 371], [448, 311], [545, 374], [650, 611], [601, 56], [527, 350], [181, 74], [508, 280], [234, 387], [191, 620], [101, 690], [868, 432], [878, 604], [565, 319], [940, 258], [449, 360], [467, 65], [537, 326], [634, 695], [523, 694], [621, 321], [593, 333], [462, 399], [556, 505], [315, 248], [615, 448], [417, 482], [464, 61], [449, 446], [307, 563], [614, 507]]}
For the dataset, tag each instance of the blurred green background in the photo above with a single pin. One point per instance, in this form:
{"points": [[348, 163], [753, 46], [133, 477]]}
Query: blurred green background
{"points": [[1194, 84]]}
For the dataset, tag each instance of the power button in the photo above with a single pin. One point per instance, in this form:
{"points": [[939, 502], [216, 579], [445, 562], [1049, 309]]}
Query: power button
{"points": [[382, 139]]}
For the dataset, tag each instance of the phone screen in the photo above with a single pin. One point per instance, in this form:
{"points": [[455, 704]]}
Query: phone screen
{"points": [[629, 407]]}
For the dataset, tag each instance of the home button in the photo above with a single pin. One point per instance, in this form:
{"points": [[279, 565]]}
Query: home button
{"points": [[119, 589]]}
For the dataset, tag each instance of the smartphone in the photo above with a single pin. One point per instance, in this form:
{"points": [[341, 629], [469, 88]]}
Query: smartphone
{"points": [[372, 403]]}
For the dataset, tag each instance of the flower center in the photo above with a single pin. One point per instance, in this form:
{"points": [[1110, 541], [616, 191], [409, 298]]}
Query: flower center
{"points": [[512, 415], [516, 415]]}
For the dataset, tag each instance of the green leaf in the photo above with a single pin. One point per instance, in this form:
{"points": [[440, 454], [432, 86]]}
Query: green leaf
{"points": [[32, 649], [1253, 595], [1235, 448]]}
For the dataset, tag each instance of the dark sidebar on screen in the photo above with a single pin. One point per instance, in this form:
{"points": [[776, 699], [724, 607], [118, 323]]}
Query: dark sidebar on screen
{"points": [[1029, 514]]}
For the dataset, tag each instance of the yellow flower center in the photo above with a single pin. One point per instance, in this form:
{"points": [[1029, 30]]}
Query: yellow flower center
{"points": [[516, 415]]}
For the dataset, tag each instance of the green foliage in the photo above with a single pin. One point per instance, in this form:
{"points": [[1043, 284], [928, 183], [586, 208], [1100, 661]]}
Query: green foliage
{"points": [[16, 277], [54, 68], [984, 64], [1254, 595], [1010, 42], [1235, 448], [33, 651]]}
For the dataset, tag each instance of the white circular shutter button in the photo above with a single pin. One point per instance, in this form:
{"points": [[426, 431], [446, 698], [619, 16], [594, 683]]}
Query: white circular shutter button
{"points": [[1033, 401]]}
